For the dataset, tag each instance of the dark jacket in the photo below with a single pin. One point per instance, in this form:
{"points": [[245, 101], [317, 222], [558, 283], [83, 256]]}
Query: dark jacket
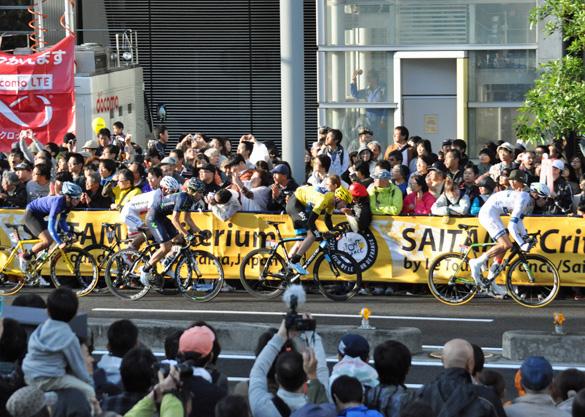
{"points": [[453, 393], [207, 395], [16, 199], [279, 203], [362, 212], [563, 202], [98, 200], [11, 379]]}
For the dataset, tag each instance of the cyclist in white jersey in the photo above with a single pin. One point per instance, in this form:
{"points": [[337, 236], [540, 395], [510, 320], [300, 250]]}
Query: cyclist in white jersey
{"points": [[517, 203]]}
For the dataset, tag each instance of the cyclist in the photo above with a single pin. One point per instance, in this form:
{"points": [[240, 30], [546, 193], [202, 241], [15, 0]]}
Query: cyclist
{"points": [[57, 208], [518, 203], [305, 206], [164, 230]]}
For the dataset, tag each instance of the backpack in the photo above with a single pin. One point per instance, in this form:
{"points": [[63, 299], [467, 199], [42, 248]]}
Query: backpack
{"points": [[389, 405]]}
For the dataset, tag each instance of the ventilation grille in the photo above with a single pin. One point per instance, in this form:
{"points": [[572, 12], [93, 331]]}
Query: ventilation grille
{"points": [[216, 66], [432, 23]]}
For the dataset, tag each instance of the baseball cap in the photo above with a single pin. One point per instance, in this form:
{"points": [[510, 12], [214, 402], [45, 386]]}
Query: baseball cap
{"points": [[507, 146], [197, 339], [447, 142], [518, 176], [353, 345], [557, 163], [90, 144], [383, 174], [365, 131], [209, 167], [364, 148], [438, 166], [168, 160], [537, 373], [23, 165], [281, 169], [26, 402]]}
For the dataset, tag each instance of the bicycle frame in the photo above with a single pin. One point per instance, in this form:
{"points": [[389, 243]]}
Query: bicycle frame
{"points": [[37, 266]]}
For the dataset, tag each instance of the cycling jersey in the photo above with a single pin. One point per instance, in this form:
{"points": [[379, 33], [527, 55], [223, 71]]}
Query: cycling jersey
{"points": [[516, 203], [319, 202], [138, 205], [52, 206], [178, 202]]}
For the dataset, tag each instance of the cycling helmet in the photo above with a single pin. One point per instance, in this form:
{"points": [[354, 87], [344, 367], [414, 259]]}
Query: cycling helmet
{"points": [[539, 188], [342, 194], [171, 184], [196, 185], [71, 189], [358, 190]]}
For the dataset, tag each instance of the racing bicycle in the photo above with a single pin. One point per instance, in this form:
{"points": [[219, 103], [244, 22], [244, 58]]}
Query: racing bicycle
{"points": [[532, 280], [69, 267], [198, 274], [264, 272]]}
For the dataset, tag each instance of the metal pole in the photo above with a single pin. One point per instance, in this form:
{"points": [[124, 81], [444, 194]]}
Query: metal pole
{"points": [[292, 79], [40, 25], [118, 50]]}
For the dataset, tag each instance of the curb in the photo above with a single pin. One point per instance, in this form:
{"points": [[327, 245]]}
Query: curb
{"points": [[519, 344]]}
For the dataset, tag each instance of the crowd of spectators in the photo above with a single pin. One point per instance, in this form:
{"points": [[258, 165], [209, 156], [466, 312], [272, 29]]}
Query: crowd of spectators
{"points": [[54, 374], [409, 177]]}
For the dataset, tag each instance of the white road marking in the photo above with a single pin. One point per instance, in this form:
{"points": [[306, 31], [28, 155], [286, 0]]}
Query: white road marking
{"points": [[440, 347], [280, 313]]}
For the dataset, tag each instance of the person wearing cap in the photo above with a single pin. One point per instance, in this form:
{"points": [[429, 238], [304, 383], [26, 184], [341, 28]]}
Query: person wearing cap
{"points": [[536, 378], [168, 165], [196, 350], [385, 197], [435, 179], [518, 203], [12, 192], [353, 353], [282, 188], [209, 176], [562, 194], [365, 136], [301, 378], [358, 212], [452, 201], [452, 392], [506, 155], [236, 165], [486, 188]]}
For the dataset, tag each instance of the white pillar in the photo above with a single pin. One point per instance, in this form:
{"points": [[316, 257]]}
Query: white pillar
{"points": [[292, 79]]}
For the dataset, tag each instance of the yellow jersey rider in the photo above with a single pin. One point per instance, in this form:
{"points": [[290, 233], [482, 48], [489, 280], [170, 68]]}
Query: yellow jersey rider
{"points": [[305, 206]]}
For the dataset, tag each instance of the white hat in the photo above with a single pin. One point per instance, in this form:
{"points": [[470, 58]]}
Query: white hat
{"points": [[557, 163]]}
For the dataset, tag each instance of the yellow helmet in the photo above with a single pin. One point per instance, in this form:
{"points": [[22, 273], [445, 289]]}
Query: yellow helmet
{"points": [[343, 193]]}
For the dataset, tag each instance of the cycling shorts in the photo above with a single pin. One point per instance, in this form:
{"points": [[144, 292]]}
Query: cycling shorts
{"points": [[162, 228], [492, 223], [299, 215], [35, 223]]}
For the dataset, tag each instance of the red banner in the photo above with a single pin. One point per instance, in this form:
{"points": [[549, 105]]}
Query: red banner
{"points": [[38, 92]]}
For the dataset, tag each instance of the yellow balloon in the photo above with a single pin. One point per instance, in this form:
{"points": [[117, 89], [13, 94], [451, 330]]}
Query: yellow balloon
{"points": [[97, 124]]}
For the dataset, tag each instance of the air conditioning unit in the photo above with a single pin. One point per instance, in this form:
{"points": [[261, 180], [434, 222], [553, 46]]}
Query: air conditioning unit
{"points": [[91, 58]]}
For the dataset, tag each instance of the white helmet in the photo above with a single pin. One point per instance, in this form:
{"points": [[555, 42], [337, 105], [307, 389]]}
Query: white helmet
{"points": [[539, 188], [171, 184], [71, 189]]}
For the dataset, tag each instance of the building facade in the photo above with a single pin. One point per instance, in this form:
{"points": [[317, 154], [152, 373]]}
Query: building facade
{"points": [[443, 68]]}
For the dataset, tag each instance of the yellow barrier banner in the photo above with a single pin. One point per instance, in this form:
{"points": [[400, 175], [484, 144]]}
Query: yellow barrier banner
{"points": [[396, 249]]}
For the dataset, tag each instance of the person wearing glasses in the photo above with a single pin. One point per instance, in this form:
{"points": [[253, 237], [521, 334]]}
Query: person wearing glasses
{"points": [[385, 197], [123, 191]]}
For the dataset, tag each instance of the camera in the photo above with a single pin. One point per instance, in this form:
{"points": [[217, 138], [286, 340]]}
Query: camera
{"points": [[185, 370], [294, 320]]}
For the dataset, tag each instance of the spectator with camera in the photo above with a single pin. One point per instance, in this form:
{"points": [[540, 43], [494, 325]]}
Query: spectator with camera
{"points": [[195, 353], [282, 188], [293, 370]]}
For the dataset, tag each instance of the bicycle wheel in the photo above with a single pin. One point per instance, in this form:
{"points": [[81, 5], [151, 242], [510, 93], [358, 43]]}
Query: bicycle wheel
{"points": [[122, 275], [263, 273], [84, 276], [199, 275], [450, 279], [338, 275], [101, 254], [533, 281]]}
